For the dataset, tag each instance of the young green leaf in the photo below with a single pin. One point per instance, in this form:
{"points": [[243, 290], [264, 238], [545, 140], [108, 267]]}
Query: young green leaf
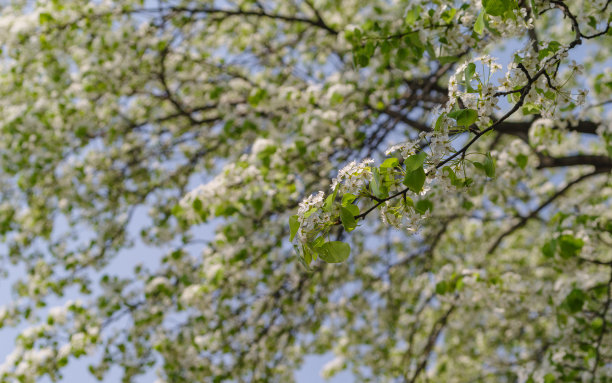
{"points": [[521, 161], [413, 15], [378, 189], [439, 121], [549, 248], [415, 179], [574, 301], [348, 198], [423, 206], [415, 161], [479, 24], [499, 7], [197, 205], [334, 252], [569, 246], [294, 225], [448, 59], [390, 163], [489, 166], [469, 73], [307, 255], [442, 287], [348, 218], [464, 117], [329, 201], [530, 108]]}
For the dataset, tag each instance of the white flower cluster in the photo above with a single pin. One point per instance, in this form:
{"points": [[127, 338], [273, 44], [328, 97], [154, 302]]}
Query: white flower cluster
{"points": [[311, 217], [247, 179], [400, 216], [478, 93], [405, 149], [353, 177]]}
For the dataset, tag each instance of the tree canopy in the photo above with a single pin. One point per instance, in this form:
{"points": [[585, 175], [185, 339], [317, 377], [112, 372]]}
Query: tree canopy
{"points": [[420, 187]]}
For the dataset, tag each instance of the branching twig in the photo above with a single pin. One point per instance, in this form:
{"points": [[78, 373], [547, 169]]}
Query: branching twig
{"points": [[535, 212]]}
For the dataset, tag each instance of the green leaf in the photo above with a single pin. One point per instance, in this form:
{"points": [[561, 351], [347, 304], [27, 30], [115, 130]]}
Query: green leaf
{"points": [[439, 122], [390, 163], [415, 179], [336, 99], [479, 24], [467, 205], [415, 161], [197, 205], [309, 212], [354, 209], [361, 59], [255, 98], [294, 225], [448, 15], [521, 161], [574, 301], [469, 73], [317, 242], [334, 252], [448, 59], [177, 210], [607, 226], [442, 287], [550, 95], [569, 246], [549, 248], [450, 173], [499, 7], [378, 189], [464, 117], [423, 205], [570, 106], [307, 256], [413, 15], [430, 49], [348, 198], [44, 18], [534, 8], [329, 201], [597, 324], [530, 108], [348, 219], [489, 166]]}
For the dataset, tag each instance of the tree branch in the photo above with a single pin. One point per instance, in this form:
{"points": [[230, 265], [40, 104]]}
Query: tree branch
{"points": [[535, 212], [431, 342], [601, 163], [522, 128], [319, 23]]}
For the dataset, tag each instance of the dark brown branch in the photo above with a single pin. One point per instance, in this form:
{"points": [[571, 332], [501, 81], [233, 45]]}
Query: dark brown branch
{"points": [[575, 26], [533, 36], [258, 13], [168, 94], [523, 221], [601, 163], [431, 342], [522, 128], [318, 16]]}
